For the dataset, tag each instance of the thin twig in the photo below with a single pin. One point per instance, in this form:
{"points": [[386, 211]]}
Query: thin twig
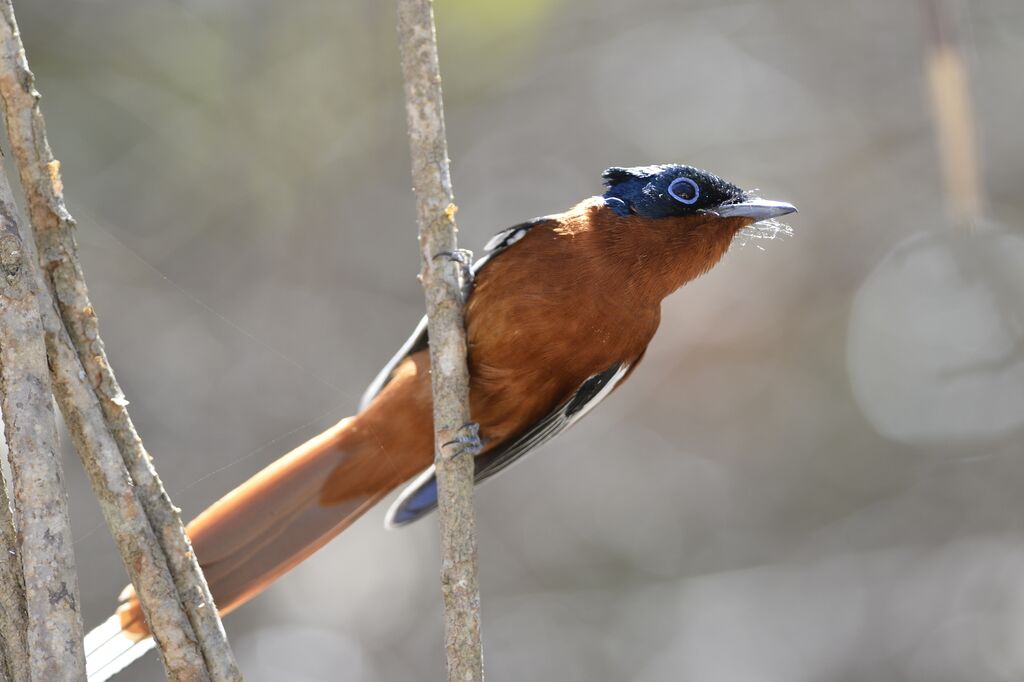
{"points": [[54, 229], [455, 438], [54, 641], [953, 112], [14, 663]]}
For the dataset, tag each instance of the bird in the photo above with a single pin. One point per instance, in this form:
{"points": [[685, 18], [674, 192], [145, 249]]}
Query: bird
{"points": [[558, 312]]}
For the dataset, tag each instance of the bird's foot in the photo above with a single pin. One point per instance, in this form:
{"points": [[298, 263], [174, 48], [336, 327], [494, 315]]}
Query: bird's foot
{"points": [[464, 440], [464, 259]]}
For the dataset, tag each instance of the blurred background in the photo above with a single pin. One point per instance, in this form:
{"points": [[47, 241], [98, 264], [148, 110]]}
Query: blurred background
{"points": [[817, 473]]}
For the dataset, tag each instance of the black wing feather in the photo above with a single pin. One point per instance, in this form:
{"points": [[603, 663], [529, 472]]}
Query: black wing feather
{"points": [[420, 496]]}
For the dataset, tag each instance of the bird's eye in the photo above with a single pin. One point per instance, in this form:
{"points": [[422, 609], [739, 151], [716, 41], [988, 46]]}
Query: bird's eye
{"points": [[684, 190]]}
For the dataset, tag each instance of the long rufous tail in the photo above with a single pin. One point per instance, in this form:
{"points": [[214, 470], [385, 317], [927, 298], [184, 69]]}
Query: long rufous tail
{"points": [[287, 511]]}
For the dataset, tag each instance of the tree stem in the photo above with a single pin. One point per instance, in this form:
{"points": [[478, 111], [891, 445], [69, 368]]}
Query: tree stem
{"points": [[47, 561], [151, 537], [455, 438]]}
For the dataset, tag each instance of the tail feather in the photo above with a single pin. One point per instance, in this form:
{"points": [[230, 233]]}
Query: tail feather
{"points": [[109, 649], [280, 516], [270, 523]]}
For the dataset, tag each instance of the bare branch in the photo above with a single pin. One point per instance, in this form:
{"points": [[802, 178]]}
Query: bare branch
{"points": [[455, 438], [99, 409], [135, 539], [953, 112], [14, 663], [54, 641], [121, 510]]}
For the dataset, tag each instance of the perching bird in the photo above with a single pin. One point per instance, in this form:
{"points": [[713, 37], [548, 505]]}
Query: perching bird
{"points": [[560, 312]]}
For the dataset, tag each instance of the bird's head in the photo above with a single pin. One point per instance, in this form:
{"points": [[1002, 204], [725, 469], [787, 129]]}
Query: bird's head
{"points": [[676, 191], [670, 223]]}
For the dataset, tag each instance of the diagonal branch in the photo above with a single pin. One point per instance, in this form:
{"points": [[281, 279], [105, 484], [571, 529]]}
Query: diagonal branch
{"points": [[54, 230], [455, 438], [54, 625], [102, 462]]}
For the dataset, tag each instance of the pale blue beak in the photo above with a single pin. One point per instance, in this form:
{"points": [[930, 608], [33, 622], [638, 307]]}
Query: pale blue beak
{"points": [[756, 209]]}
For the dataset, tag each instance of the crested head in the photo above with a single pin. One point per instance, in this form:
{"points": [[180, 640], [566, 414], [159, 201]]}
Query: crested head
{"points": [[667, 190], [669, 223]]}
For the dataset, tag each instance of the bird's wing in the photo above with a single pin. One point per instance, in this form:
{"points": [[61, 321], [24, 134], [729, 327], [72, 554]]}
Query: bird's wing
{"points": [[415, 343], [420, 496], [419, 340]]}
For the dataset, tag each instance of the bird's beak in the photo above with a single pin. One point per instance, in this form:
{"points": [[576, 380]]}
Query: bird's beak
{"points": [[756, 209]]}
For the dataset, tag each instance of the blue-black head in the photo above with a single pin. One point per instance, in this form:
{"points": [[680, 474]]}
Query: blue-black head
{"points": [[675, 190]]}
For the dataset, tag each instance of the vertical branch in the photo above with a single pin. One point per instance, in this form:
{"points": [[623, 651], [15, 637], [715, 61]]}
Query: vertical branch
{"points": [[455, 438], [955, 133], [54, 641], [109, 427], [14, 663]]}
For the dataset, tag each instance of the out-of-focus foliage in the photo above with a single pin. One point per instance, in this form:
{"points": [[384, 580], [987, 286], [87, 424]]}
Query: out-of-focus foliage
{"points": [[815, 475]]}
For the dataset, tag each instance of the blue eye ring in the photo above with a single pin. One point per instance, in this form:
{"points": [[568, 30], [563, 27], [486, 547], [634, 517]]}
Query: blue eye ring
{"points": [[696, 191]]}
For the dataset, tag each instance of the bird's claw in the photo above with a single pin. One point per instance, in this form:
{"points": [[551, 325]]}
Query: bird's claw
{"points": [[464, 440], [461, 256], [464, 259]]}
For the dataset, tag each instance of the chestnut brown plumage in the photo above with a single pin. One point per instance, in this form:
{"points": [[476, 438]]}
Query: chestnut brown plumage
{"points": [[560, 312]]}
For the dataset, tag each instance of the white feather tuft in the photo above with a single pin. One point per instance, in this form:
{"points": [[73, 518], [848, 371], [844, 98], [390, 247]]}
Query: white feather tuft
{"points": [[108, 649]]}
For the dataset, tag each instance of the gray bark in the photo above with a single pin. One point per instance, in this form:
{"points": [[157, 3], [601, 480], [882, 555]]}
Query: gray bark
{"points": [[14, 663], [162, 565], [455, 438], [47, 560]]}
